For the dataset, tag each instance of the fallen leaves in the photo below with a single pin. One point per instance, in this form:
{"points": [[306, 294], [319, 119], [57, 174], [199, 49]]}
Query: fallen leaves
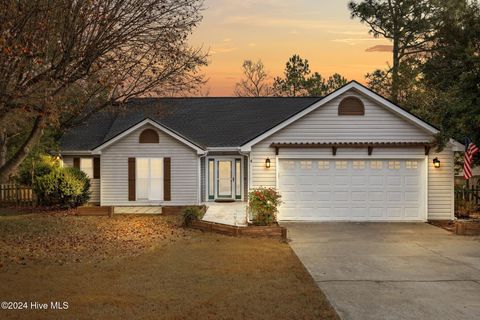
{"points": [[62, 238]]}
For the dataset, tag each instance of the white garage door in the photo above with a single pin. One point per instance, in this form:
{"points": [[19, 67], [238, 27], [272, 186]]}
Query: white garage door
{"points": [[382, 190]]}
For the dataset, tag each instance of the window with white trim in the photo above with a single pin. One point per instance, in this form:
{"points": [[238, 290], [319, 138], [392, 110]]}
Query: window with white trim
{"points": [[411, 164], [376, 164], [394, 164], [323, 165], [358, 164], [149, 178], [341, 164], [86, 165]]}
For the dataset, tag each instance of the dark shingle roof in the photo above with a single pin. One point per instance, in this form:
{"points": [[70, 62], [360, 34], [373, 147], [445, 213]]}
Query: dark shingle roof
{"points": [[207, 122]]}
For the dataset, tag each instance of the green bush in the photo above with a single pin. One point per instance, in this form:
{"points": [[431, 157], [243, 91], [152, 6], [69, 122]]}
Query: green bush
{"points": [[63, 187], [43, 166], [192, 213], [263, 204]]}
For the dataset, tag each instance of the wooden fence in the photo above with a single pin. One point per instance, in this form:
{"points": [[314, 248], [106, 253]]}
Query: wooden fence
{"points": [[468, 194], [14, 194]]}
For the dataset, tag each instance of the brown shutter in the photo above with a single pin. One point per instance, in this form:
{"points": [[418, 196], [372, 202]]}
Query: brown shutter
{"points": [[76, 163], [167, 179], [96, 168], [131, 180]]}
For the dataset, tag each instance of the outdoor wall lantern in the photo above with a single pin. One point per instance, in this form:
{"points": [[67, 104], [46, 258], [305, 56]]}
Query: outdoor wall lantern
{"points": [[267, 163], [436, 163]]}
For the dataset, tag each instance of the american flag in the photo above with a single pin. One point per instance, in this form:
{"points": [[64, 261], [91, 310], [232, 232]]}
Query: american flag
{"points": [[470, 151]]}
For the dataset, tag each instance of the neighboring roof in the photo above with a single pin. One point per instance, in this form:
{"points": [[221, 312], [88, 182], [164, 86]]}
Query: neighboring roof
{"points": [[205, 122]]}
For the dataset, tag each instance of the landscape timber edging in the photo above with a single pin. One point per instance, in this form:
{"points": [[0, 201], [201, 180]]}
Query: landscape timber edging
{"points": [[248, 231], [467, 228]]}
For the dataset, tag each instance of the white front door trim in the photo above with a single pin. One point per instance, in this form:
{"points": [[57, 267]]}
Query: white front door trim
{"points": [[233, 159]]}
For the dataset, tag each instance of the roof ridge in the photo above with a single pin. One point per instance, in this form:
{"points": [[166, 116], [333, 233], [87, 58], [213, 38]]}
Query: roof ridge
{"points": [[107, 132], [225, 97]]}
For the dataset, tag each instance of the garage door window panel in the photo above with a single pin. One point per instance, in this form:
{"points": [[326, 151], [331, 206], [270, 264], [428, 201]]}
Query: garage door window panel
{"points": [[339, 165]]}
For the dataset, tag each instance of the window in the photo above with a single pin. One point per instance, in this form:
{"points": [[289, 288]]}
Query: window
{"points": [[322, 165], [149, 178], [351, 106], [375, 164], [341, 164], [358, 164], [394, 165], [411, 164], [86, 165], [148, 136], [211, 179], [306, 165]]}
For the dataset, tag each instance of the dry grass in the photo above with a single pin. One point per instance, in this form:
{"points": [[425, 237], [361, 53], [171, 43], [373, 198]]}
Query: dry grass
{"points": [[176, 274]]}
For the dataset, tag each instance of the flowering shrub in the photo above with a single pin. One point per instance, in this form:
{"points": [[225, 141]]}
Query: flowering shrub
{"points": [[263, 204]]}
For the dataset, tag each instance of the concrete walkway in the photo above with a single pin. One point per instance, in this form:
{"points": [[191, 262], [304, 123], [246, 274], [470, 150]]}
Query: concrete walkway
{"points": [[231, 213], [391, 270]]}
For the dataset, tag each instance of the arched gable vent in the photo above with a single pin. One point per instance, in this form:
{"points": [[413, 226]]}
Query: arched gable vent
{"points": [[149, 136], [351, 106]]}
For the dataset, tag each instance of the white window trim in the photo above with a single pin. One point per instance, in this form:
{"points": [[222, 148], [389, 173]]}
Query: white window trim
{"points": [[149, 178], [82, 167]]}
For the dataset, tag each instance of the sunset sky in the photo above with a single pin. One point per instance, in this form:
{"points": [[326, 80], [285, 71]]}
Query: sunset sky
{"points": [[272, 30]]}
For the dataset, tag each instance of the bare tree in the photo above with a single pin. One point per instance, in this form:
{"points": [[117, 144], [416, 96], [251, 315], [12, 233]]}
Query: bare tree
{"points": [[63, 60], [255, 80]]}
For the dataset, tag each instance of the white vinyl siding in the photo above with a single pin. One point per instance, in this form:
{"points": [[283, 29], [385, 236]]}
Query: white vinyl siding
{"points": [[94, 183], [441, 186], [377, 125], [114, 169]]}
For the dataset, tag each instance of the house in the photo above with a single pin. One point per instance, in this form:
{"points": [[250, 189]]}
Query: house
{"points": [[351, 155]]}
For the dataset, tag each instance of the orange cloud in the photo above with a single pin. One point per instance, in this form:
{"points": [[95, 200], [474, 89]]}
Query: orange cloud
{"points": [[380, 48]]}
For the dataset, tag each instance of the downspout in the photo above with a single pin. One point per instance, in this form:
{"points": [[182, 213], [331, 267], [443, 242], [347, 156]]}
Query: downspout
{"points": [[247, 154], [200, 177]]}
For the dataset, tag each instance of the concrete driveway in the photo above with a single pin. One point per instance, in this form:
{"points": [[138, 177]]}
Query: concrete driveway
{"points": [[391, 270]]}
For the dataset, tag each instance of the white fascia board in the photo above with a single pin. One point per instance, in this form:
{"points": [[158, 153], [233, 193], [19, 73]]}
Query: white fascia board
{"points": [[456, 146], [223, 149], [98, 149], [352, 85], [75, 152]]}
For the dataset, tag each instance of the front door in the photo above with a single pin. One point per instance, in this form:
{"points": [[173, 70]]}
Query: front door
{"points": [[224, 178], [225, 181]]}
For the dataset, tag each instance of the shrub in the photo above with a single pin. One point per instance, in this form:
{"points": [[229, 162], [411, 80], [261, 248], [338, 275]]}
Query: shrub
{"points": [[192, 213], [63, 187], [43, 166], [263, 204], [465, 208]]}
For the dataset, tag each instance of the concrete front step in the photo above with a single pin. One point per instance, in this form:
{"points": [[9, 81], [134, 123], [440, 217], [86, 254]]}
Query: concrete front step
{"points": [[137, 210]]}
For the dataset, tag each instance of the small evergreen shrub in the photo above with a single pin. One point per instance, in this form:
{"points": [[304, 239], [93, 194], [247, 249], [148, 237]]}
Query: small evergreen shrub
{"points": [[263, 203], [192, 213], [62, 187]]}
